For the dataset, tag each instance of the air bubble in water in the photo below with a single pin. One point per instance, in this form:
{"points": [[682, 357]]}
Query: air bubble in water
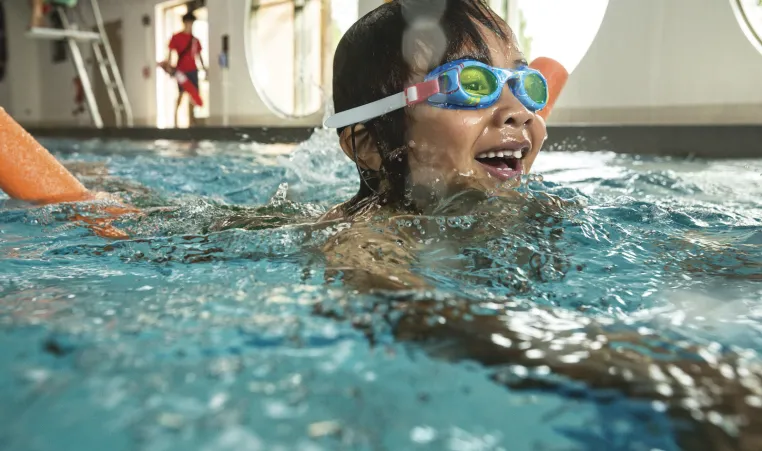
{"points": [[453, 222]]}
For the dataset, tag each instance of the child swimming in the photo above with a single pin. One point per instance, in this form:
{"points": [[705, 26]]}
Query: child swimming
{"points": [[483, 135], [434, 101], [416, 148]]}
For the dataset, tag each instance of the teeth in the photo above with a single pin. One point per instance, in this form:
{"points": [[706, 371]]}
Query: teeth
{"points": [[502, 154]]}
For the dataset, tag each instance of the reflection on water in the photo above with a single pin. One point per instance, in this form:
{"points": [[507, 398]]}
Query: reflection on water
{"points": [[614, 304]]}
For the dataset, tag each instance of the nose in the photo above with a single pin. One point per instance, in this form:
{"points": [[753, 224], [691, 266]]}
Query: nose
{"points": [[511, 112]]}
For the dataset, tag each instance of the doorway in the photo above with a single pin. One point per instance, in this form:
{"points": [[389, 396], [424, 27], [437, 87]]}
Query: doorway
{"points": [[168, 22]]}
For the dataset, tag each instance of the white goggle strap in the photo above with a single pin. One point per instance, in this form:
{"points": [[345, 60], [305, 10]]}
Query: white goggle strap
{"points": [[410, 96]]}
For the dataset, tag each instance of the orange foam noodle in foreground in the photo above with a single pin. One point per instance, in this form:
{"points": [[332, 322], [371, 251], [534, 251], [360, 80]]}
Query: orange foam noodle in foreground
{"points": [[30, 173], [556, 74]]}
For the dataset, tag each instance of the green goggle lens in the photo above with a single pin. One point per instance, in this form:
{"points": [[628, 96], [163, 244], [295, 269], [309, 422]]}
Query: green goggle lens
{"points": [[478, 81], [535, 88]]}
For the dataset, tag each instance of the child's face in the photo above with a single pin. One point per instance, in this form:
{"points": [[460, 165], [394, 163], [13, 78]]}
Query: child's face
{"points": [[444, 143]]}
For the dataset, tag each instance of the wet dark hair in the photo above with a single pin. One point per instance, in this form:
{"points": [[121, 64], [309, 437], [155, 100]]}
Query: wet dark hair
{"points": [[370, 64], [189, 17]]}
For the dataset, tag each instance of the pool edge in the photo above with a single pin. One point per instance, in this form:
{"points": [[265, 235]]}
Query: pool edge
{"points": [[707, 141]]}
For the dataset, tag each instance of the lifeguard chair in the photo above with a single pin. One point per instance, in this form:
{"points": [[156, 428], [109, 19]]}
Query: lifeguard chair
{"points": [[104, 57]]}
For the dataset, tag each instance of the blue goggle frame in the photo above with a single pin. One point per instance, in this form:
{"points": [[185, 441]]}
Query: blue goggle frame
{"points": [[442, 88], [452, 95]]}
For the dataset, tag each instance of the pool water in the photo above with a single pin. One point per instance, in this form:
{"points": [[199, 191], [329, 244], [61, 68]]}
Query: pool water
{"points": [[215, 325]]}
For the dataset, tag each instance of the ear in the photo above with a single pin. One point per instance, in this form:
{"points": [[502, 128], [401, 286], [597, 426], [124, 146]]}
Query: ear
{"points": [[367, 152]]}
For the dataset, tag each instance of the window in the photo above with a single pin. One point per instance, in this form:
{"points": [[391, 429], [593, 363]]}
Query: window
{"points": [[749, 15], [285, 55], [559, 29], [343, 14]]}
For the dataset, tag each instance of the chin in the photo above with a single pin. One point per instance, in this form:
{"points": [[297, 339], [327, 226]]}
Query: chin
{"points": [[496, 187]]}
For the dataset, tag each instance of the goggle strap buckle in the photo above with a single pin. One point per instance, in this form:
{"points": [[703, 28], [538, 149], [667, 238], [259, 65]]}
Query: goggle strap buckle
{"points": [[421, 92]]}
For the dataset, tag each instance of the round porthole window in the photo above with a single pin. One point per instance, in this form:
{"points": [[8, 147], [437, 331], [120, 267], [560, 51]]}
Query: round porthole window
{"points": [[749, 15], [285, 55]]}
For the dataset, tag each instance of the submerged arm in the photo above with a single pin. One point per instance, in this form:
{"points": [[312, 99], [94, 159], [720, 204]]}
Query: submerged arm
{"points": [[720, 393]]}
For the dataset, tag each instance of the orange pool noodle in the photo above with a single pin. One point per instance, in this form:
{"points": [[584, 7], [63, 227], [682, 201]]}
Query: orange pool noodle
{"points": [[30, 173], [556, 74]]}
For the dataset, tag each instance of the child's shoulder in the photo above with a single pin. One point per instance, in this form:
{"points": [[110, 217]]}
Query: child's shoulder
{"points": [[350, 211], [334, 213]]}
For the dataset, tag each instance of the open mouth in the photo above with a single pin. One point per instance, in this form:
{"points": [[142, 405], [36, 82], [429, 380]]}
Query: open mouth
{"points": [[504, 164]]}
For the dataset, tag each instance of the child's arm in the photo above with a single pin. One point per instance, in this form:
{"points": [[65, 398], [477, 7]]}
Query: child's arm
{"points": [[640, 365], [368, 260], [693, 384]]}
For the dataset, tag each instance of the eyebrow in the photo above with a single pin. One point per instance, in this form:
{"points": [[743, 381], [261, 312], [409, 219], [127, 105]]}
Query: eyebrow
{"points": [[472, 56]]}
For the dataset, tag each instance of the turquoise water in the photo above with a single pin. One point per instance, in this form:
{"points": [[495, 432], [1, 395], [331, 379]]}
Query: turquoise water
{"points": [[215, 325]]}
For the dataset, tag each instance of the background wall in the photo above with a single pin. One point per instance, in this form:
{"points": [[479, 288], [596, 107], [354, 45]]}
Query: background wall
{"points": [[23, 72], [676, 62], [652, 62], [366, 6]]}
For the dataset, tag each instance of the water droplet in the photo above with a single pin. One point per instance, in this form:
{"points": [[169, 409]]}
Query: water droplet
{"points": [[753, 401], [659, 406], [423, 434], [535, 354]]}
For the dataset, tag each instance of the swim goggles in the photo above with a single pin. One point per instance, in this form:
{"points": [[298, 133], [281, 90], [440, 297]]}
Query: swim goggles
{"points": [[462, 85]]}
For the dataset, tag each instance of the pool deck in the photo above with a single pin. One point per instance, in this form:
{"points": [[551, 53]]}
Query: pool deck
{"points": [[720, 141]]}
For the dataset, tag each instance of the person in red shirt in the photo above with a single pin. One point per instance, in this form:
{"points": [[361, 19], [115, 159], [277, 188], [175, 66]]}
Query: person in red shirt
{"points": [[188, 50]]}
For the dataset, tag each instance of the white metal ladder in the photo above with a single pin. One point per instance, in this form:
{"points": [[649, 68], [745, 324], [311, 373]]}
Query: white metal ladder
{"points": [[104, 57]]}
